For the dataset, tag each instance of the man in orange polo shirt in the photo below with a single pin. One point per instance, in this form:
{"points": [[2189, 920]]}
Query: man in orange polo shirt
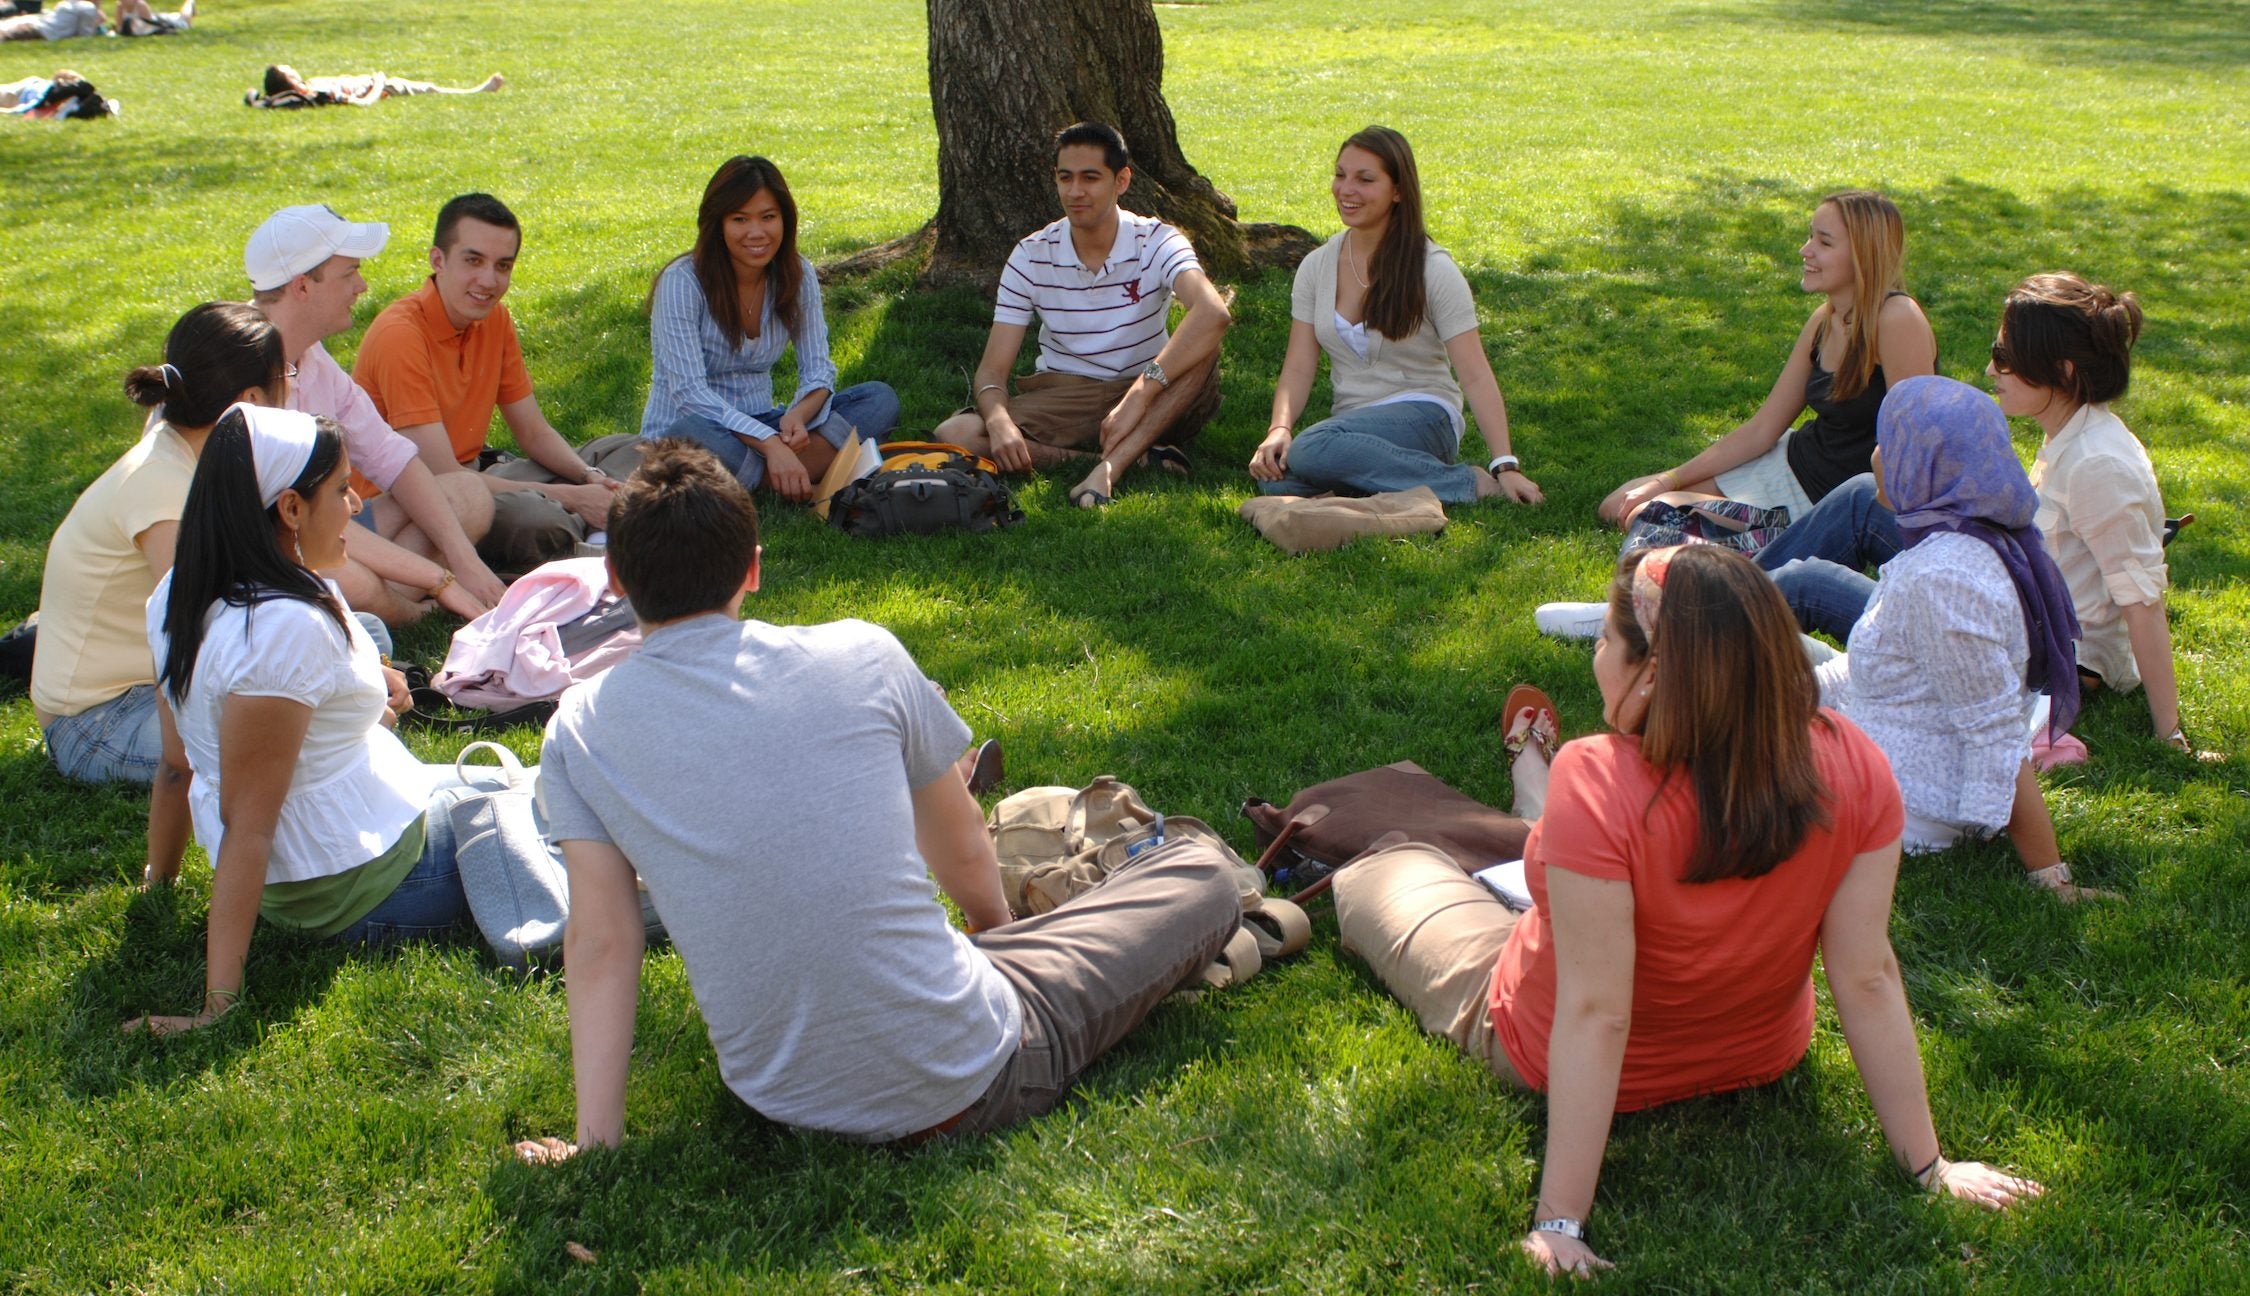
{"points": [[437, 363]]}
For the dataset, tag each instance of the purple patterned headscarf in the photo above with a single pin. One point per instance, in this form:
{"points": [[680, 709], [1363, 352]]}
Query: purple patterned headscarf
{"points": [[1948, 466]]}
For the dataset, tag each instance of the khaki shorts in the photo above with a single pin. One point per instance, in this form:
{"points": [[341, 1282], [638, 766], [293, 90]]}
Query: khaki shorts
{"points": [[1065, 411]]}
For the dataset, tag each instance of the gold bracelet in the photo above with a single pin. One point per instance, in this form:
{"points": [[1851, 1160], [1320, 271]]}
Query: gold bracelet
{"points": [[445, 578]]}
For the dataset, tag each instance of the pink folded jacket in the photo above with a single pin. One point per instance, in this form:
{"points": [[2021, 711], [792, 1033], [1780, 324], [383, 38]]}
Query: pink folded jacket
{"points": [[514, 653]]}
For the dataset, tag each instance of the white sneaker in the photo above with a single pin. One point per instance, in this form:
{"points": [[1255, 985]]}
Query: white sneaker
{"points": [[1571, 620]]}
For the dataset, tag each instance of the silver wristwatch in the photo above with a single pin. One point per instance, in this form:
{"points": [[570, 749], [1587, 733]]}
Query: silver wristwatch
{"points": [[1155, 373], [1575, 1230]]}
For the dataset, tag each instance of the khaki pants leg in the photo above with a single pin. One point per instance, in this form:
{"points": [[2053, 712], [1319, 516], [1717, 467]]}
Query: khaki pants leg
{"points": [[1090, 969], [527, 527], [1432, 934], [1181, 410]]}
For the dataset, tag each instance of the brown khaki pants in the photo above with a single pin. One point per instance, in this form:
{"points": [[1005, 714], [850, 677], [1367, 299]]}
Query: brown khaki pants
{"points": [[1066, 410], [1090, 969], [528, 528], [1432, 934]]}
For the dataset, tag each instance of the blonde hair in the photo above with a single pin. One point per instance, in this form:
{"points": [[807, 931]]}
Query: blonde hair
{"points": [[1878, 239]]}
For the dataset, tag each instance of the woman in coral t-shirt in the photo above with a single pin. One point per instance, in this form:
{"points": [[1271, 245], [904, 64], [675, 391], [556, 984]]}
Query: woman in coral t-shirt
{"points": [[1683, 871]]}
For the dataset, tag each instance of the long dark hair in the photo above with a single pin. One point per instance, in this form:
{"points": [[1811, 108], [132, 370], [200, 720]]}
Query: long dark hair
{"points": [[227, 552], [1399, 297], [1733, 705], [739, 179], [215, 352]]}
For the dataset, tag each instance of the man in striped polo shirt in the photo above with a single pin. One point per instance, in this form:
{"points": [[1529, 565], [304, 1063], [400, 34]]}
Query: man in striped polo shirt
{"points": [[1110, 383]]}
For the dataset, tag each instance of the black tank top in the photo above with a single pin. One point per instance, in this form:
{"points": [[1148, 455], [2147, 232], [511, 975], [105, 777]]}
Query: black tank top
{"points": [[1838, 442]]}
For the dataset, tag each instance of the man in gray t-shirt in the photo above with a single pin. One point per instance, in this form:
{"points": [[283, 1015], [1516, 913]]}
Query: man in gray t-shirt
{"points": [[788, 795]]}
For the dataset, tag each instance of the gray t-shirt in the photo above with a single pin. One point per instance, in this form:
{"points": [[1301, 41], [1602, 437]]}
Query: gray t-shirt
{"points": [[759, 779]]}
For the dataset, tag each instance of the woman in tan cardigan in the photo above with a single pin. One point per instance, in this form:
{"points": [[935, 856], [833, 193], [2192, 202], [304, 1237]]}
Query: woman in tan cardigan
{"points": [[1394, 315]]}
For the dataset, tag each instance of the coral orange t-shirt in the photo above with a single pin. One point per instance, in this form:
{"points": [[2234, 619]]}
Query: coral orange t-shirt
{"points": [[1722, 976], [418, 369]]}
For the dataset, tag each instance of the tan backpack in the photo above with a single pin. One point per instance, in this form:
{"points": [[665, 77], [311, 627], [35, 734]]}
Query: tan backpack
{"points": [[1058, 842]]}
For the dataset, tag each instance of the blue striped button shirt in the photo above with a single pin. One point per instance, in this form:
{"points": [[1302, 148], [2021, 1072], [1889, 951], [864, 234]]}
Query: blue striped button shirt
{"points": [[696, 372]]}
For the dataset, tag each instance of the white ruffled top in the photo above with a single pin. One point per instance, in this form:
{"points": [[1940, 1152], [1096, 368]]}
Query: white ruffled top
{"points": [[356, 787]]}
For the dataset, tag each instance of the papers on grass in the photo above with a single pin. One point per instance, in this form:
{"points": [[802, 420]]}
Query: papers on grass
{"points": [[1506, 880]]}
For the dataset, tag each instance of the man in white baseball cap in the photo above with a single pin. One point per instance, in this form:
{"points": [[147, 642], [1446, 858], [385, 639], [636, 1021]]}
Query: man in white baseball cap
{"points": [[416, 541]]}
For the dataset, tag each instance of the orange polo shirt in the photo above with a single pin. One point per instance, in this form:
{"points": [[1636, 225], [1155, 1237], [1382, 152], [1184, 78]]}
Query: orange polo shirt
{"points": [[418, 369]]}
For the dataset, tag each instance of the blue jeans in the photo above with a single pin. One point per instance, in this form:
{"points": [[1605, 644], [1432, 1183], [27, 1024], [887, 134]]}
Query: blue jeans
{"points": [[120, 740], [869, 408], [1847, 527], [1828, 597], [1820, 559], [428, 902], [1377, 449]]}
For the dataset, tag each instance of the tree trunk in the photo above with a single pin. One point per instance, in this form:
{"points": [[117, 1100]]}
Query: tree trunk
{"points": [[1005, 75]]}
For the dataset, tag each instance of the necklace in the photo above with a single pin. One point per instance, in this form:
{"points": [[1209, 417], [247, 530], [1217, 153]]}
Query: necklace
{"points": [[1349, 260]]}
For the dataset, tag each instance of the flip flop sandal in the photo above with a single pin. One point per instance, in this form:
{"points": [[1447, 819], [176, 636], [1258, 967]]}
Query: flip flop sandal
{"points": [[1281, 928], [1086, 497], [1549, 736], [1171, 459], [1237, 963], [986, 771]]}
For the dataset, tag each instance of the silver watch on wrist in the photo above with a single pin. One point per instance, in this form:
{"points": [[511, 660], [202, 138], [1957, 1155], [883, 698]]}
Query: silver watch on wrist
{"points": [[1155, 374], [1575, 1230]]}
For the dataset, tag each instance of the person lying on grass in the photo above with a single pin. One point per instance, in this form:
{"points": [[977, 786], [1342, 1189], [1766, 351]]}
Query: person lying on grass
{"points": [[139, 18], [284, 88], [1964, 630], [314, 815], [1684, 870], [1873, 335], [1394, 316], [720, 317], [788, 794], [1111, 383]]}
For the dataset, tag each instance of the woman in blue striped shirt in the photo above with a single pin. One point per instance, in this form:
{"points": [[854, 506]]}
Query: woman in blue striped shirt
{"points": [[720, 317]]}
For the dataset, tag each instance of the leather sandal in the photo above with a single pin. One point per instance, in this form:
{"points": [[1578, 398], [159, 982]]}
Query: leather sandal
{"points": [[1545, 728]]}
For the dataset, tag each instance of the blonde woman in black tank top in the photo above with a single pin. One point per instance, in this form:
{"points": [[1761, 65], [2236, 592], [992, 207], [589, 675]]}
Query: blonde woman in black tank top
{"points": [[1839, 368]]}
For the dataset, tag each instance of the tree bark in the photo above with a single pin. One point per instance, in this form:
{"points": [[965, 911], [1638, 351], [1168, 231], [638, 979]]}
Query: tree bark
{"points": [[1005, 75]]}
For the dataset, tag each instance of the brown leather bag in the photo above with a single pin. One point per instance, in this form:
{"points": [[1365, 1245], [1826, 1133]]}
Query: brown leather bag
{"points": [[1330, 824]]}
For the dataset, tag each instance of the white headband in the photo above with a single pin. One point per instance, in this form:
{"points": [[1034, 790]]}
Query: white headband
{"points": [[281, 444]]}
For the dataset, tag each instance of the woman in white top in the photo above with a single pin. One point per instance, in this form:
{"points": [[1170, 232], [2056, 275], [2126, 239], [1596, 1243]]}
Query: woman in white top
{"points": [[1396, 324], [2063, 354], [1968, 625], [313, 813]]}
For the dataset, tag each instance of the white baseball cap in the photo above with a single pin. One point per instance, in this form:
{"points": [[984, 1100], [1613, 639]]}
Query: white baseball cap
{"points": [[295, 240]]}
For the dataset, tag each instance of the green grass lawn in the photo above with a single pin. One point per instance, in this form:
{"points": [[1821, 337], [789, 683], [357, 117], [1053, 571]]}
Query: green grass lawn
{"points": [[1626, 185]]}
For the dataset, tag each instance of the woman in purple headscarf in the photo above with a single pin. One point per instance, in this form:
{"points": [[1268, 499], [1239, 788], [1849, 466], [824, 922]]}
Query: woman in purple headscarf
{"points": [[1969, 626]]}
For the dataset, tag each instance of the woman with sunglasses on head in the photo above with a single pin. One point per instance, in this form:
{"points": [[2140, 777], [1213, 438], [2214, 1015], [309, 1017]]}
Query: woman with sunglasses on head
{"points": [[314, 815], [1866, 336], [1395, 318], [721, 315], [1684, 870]]}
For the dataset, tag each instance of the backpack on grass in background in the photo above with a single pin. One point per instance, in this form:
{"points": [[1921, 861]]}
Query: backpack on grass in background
{"points": [[925, 487]]}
